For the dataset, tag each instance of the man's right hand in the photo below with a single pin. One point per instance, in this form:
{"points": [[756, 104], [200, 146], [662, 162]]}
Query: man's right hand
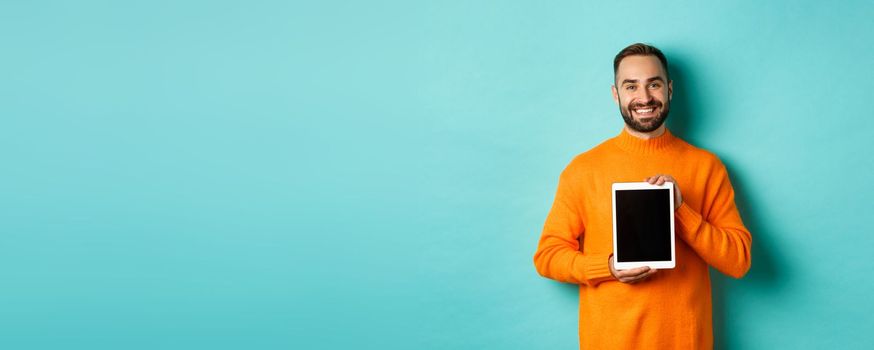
{"points": [[631, 276]]}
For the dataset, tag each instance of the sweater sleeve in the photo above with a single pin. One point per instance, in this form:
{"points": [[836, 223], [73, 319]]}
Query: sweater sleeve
{"points": [[720, 238], [558, 254]]}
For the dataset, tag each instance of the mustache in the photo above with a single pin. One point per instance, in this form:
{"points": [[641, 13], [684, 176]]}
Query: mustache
{"points": [[645, 105]]}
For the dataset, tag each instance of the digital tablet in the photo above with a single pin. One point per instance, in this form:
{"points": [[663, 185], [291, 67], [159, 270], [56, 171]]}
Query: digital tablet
{"points": [[643, 225]]}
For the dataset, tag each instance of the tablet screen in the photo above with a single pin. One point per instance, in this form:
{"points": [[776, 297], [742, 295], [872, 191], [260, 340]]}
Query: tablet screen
{"points": [[643, 225]]}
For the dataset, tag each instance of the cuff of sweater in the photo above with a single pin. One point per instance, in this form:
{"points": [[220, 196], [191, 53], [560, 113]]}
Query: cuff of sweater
{"points": [[689, 221], [593, 268]]}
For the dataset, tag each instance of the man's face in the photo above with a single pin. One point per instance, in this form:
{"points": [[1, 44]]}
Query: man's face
{"points": [[642, 92]]}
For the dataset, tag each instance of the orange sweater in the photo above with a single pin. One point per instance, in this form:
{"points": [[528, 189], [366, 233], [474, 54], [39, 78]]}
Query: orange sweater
{"points": [[671, 309]]}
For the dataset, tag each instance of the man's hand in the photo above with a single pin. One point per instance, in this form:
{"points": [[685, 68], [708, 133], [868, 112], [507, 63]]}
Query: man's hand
{"points": [[631, 276], [660, 180]]}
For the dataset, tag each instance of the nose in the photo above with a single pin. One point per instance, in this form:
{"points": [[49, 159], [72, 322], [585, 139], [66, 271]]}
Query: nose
{"points": [[645, 96]]}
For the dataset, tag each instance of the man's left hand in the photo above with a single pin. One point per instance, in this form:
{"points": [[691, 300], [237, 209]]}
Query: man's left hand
{"points": [[660, 179]]}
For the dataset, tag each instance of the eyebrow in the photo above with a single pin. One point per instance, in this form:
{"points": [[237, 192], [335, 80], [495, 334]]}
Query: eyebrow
{"points": [[633, 81]]}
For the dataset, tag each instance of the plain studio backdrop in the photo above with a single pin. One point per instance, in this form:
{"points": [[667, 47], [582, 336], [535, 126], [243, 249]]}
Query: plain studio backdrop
{"points": [[375, 175]]}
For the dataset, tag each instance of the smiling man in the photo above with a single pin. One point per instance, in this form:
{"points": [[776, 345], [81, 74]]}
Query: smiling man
{"points": [[643, 308]]}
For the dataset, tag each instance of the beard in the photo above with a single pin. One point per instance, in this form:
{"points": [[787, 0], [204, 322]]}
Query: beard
{"points": [[645, 124]]}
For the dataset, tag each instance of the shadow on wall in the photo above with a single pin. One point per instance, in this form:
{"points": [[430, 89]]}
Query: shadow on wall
{"points": [[688, 120], [768, 272], [688, 104]]}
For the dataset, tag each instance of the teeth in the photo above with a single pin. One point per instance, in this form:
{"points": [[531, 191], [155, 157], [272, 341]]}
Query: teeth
{"points": [[644, 110]]}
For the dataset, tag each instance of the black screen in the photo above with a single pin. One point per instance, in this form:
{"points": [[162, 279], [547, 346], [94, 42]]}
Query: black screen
{"points": [[643, 227]]}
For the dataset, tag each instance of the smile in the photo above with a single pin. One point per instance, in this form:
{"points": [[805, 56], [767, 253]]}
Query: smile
{"points": [[645, 110]]}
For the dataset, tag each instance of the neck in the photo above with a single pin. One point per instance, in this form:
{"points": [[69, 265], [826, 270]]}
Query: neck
{"points": [[646, 135]]}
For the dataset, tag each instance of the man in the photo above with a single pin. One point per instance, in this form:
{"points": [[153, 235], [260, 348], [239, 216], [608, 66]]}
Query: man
{"points": [[643, 308]]}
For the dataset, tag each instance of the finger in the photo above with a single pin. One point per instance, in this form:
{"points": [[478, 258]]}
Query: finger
{"points": [[661, 180], [641, 277], [632, 272], [635, 272], [632, 280], [649, 273], [645, 275], [651, 179]]}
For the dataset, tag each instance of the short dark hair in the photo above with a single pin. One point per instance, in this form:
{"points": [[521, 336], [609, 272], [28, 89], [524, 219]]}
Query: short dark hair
{"points": [[640, 49]]}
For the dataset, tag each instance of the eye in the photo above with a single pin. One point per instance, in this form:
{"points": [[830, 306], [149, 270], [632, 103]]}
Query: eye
{"points": [[630, 87], [655, 85]]}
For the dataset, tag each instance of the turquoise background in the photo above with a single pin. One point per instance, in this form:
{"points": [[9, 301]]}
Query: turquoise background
{"points": [[375, 175]]}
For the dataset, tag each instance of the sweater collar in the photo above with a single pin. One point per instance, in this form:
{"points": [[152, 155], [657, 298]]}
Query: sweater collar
{"points": [[632, 144]]}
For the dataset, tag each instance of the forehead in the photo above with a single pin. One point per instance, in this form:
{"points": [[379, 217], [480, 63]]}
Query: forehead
{"points": [[640, 68]]}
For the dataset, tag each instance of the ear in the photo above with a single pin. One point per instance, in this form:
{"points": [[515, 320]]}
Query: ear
{"points": [[670, 90], [615, 93]]}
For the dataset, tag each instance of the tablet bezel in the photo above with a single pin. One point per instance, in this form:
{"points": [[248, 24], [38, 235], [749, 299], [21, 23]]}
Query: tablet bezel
{"points": [[664, 264]]}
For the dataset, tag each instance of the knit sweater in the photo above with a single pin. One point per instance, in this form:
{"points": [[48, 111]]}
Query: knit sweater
{"points": [[672, 308]]}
